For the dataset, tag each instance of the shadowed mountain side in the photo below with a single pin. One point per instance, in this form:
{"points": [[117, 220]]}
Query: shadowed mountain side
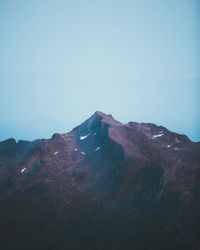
{"points": [[104, 185]]}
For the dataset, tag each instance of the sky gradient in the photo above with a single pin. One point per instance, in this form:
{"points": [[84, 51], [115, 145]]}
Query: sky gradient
{"points": [[60, 61]]}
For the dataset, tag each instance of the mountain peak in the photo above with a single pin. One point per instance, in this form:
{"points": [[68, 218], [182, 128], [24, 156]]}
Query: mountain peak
{"points": [[98, 119], [106, 118], [102, 114]]}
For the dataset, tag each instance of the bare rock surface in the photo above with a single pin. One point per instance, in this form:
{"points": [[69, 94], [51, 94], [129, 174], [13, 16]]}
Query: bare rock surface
{"points": [[104, 185]]}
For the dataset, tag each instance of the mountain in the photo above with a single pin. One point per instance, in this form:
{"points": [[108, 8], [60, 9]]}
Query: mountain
{"points": [[104, 185]]}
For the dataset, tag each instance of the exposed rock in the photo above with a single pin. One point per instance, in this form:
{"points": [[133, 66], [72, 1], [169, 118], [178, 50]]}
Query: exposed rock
{"points": [[104, 185]]}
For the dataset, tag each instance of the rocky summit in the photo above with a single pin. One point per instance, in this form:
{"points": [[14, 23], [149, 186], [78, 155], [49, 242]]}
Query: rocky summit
{"points": [[103, 186]]}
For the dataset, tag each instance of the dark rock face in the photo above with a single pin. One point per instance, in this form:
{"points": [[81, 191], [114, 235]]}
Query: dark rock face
{"points": [[104, 185]]}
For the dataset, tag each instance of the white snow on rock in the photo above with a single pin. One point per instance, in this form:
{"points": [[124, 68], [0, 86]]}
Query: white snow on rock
{"points": [[84, 136], [83, 153], [179, 148], [75, 149], [169, 146], [159, 135], [56, 153], [23, 169], [177, 140], [97, 148]]}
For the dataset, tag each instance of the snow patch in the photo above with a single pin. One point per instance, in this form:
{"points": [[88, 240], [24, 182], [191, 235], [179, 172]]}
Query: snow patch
{"points": [[83, 153], [168, 146], [75, 149], [23, 169], [84, 136], [97, 148], [159, 135], [95, 133], [56, 153], [177, 140], [180, 149]]}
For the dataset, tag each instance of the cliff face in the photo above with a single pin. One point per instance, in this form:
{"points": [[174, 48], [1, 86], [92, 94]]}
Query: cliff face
{"points": [[104, 185]]}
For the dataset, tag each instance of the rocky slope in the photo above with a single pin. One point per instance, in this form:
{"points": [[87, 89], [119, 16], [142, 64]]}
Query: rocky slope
{"points": [[104, 185]]}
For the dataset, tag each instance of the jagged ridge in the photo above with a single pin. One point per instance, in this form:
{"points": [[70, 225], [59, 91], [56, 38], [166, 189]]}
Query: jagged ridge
{"points": [[101, 186]]}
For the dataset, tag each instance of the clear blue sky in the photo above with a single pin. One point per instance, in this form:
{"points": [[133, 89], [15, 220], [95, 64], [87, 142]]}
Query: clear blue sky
{"points": [[63, 60]]}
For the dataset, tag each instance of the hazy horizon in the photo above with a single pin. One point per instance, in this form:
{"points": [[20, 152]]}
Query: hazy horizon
{"points": [[44, 129]]}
